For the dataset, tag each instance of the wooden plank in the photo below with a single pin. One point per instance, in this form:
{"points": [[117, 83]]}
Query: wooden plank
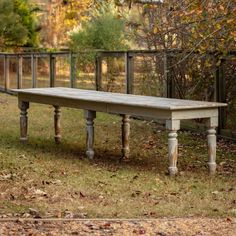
{"points": [[72, 71], [34, 71], [112, 53], [98, 72], [64, 102], [52, 71], [139, 111], [6, 73], [19, 71], [129, 72], [219, 95], [195, 113], [121, 99]]}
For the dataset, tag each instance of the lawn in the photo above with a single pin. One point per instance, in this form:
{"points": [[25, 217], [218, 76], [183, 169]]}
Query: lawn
{"points": [[43, 179]]}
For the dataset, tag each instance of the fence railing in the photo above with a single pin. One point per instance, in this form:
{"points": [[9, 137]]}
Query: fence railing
{"points": [[166, 57]]}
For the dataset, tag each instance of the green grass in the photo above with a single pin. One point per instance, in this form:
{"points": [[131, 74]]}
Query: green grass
{"points": [[56, 179]]}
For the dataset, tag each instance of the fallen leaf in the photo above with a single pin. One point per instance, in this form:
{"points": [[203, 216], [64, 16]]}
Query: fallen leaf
{"points": [[34, 212], [40, 192], [81, 194], [215, 192]]}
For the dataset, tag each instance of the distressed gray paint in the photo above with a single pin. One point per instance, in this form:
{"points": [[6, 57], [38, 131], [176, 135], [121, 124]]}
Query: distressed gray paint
{"points": [[211, 141], [171, 110], [172, 152], [125, 127], [23, 120], [173, 126], [119, 99], [57, 124], [90, 116]]}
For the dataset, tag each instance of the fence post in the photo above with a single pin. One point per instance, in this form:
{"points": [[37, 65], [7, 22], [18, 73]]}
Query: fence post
{"points": [[52, 71], [34, 70], [19, 71], [98, 72], [220, 95], [129, 72], [6, 72], [72, 71], [170, 89]]}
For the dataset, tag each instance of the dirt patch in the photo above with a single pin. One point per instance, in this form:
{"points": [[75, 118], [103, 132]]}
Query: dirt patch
{"points": [[161, 227]]}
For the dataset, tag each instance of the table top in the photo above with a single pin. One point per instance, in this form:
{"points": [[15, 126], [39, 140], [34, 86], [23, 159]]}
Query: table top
{"points": [[119, 98]]}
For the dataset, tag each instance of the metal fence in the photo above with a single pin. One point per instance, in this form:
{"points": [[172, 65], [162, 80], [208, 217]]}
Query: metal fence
{"points": [[171, 73]]}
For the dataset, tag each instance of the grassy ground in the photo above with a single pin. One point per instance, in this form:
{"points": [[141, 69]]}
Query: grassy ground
{"points": [[57, 180]]}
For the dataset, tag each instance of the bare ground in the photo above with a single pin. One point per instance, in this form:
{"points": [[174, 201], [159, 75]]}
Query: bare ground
{"points": [[161, 227]]}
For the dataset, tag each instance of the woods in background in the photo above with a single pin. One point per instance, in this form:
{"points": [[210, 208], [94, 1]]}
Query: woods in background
{"points": [[192, 25]]}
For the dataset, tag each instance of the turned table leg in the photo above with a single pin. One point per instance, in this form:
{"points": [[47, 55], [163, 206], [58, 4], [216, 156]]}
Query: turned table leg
{"points": [[23, 121], [57, 124], [211, 143], [90, 116], [173, 126], [125, 136]]}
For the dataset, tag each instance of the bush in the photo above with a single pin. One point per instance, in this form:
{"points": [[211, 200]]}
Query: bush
{"points": [[17, 24], [104, 30]]}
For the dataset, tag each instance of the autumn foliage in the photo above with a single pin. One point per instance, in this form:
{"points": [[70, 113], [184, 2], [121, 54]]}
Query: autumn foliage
{"points": [[196, 25]]}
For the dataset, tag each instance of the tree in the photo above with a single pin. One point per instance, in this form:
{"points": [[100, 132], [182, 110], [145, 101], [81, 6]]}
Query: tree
{"points": [[104, 30], [192, 25], [27, 13], [59, 17], [17, 24]]}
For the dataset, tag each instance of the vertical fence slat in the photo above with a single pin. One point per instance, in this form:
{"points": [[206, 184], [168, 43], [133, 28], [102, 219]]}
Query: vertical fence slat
{"points": [[166, 74], [19, 71], [6, 73], [220, 93], [52, 69], [98, 72], [34, 70], [129, 72], [72, 70], [170, 89]]}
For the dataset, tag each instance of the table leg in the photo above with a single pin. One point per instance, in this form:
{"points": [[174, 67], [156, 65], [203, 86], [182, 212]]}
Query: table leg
{"points": [[57, 124], [173, 126], [23, 121], [211, 143], [125, 136], [89, 116]]}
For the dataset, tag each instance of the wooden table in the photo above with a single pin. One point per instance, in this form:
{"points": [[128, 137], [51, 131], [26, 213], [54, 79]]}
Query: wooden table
{"points": [[170, 110]]}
